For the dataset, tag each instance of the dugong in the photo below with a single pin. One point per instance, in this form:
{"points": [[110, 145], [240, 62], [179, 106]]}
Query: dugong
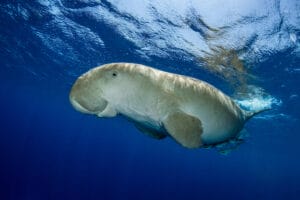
{"points": [[192, 112]]}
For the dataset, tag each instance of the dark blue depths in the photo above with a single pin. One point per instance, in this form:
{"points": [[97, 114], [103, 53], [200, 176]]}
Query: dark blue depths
{"points": [[50, 151]]}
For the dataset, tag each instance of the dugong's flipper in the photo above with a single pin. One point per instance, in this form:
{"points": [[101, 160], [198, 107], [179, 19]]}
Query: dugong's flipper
{"points": [[184, 128], [150, 132]]}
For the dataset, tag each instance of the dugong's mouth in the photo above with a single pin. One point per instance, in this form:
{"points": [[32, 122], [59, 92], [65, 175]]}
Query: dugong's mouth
{"points": [[78, 107], [88, 110]]}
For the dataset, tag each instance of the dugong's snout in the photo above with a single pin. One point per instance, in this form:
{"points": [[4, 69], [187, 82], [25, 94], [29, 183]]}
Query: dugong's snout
{"points": [[77, 105], [85, 96]]}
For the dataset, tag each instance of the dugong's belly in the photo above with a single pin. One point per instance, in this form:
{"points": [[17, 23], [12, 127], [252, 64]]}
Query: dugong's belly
{"points": [[145, 115], [219, 122], [217, 129]]}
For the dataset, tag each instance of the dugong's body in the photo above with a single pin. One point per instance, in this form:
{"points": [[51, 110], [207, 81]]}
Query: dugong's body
{"points": [[161, 104]]}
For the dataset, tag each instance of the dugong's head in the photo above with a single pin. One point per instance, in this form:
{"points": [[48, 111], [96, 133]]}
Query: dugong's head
{"points": [[92, 91], [89, 92]]}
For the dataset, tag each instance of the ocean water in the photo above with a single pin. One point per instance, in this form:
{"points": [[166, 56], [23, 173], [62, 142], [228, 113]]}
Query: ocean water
{"points": [[249, 49]]}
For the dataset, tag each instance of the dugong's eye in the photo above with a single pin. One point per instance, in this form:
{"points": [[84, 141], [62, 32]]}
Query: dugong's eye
{"points": [[114, 74]]}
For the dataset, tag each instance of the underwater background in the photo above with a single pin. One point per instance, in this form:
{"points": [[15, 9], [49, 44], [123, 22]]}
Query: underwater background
{"points": [[249, 49]]}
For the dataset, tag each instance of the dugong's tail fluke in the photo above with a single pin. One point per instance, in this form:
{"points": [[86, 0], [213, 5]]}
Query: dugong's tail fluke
{"points": [[250, 114]]}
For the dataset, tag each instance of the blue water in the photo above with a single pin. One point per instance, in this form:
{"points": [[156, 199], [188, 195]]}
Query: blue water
{"points": [[248, 49]]}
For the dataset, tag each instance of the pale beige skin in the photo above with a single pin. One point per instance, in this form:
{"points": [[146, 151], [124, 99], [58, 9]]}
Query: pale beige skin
{"points": [[191, 111]]}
